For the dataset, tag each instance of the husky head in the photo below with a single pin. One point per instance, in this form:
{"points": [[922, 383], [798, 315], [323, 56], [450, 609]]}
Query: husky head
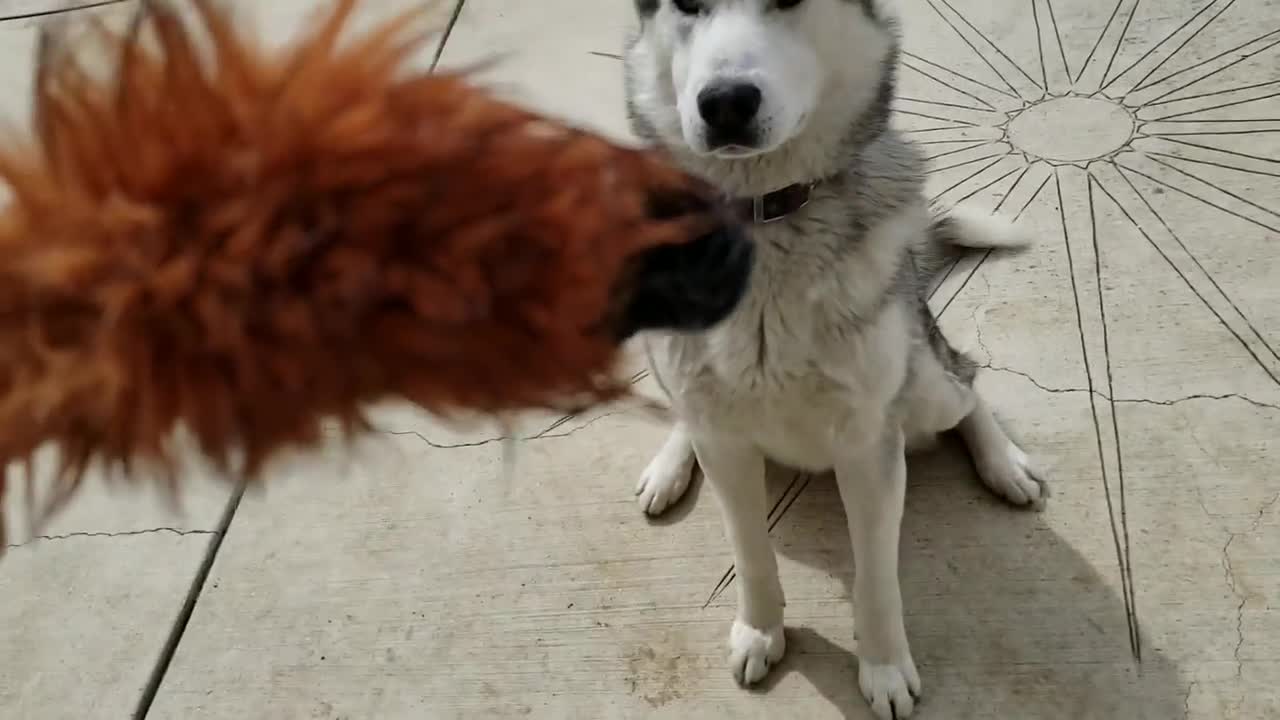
{"points": [[730, 80]]}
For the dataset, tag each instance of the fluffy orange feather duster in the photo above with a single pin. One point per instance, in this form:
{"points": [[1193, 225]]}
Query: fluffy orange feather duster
{"points": [[247, 243]]}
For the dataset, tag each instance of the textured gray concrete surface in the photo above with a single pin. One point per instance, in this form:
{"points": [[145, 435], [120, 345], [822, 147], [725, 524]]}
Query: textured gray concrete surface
{"points": [[1136, 350]]}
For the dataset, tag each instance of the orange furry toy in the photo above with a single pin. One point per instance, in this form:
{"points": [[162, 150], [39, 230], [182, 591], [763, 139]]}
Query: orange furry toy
{"points": [[248, 243]]}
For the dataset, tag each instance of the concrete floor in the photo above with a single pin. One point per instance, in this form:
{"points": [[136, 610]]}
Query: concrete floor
{"points": [[1135, 350]]}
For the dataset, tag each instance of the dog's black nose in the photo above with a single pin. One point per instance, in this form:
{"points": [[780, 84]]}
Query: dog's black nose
{"points": [[729, 109]]}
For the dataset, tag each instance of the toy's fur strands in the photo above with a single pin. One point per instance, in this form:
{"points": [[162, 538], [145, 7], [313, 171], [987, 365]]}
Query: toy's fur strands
{"points": [[246, 243]]}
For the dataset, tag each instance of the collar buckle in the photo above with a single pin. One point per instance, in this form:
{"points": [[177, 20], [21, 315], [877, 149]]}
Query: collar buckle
{"points": [[779, 204]]}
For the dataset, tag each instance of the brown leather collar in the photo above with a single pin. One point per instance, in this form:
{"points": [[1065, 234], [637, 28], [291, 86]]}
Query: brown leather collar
{"points": [[773, 206]]}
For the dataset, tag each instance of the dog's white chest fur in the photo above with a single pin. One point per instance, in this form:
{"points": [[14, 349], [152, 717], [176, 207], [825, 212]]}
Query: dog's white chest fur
{"points": [[785, 370]]}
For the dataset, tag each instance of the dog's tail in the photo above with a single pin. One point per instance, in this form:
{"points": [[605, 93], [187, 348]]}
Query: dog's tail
{"points": [[965, 228], [955, 232]]}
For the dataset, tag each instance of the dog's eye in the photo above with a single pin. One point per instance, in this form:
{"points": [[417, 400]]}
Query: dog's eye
{"points": [[788, 4], [688, 7]]}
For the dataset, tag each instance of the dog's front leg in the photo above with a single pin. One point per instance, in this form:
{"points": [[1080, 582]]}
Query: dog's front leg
{"points": [[872, 480], [736, 470]]}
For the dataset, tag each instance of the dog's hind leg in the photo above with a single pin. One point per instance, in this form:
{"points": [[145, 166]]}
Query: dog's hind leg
{"points": [[1002, 465], [941, 397], [667, 477]]}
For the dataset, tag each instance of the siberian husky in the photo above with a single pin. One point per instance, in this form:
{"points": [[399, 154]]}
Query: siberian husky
{"points": [[832, 360]]}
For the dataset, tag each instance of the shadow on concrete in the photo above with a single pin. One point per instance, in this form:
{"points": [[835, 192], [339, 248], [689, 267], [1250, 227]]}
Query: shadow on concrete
{"points": [[1006, 618]]}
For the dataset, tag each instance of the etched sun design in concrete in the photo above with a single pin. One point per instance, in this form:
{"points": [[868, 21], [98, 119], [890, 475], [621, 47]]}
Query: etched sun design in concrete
{"points": [[1140, 140]]}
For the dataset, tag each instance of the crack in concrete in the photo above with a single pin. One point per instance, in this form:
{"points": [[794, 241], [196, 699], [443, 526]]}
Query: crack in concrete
{"points": [[1186, 700], [548, 435], [990, 365], [1229, 573], [444, 446], [1201, 396], [126, 533], [1230, 577], [545, 434], [1129, 401]]}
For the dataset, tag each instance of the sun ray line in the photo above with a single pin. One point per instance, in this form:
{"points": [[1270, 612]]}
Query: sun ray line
{"points": [[1201, 180], [1187, 281], [951, 268], [1218, 149], [1093, 405], [1012, 188], [1035, 16], [1224, 121], [1136, 639], [938, 128], [977, 144], [967, 178], [1167, 118], [725, 581], [904, 98], [1116, 51], [1212, 93], [803, 479], [1098, 43], [969, 162], [960, 75], [1139, 85], [953, 142], [964, 284], [1211, 133], [782, 497], [1211, 73], [950, 86], [1034, 195], [1062, 50], [984, 187], [986, 39], [963, 123], [1219, 56], [1193, 196], [1198, 161], [975, 50], [1161, 44]]}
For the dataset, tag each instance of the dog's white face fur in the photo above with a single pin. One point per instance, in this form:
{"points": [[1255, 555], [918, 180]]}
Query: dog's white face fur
{"points": [[746, 42], [815, 63]]}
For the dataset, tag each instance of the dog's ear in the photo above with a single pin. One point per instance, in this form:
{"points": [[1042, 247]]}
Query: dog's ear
{"points": [[647, 8]]}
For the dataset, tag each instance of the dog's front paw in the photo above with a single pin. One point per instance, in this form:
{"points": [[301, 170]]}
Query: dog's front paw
{"points": [[666, 478], [1012, 476], [890, 689], [753, 652]]}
